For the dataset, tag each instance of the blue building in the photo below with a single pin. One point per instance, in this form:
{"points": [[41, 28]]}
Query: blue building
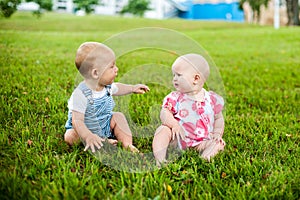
{"points": [[211, 10]]}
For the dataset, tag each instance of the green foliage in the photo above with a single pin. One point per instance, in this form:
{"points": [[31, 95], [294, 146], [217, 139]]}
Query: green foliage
{"points": [[37, 13], [136, 7], [8, 7], [86, 5], [44, 4], [260, 70]]}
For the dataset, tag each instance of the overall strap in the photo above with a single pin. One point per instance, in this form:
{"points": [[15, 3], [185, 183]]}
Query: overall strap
{"points": [[87, 92], [108, 89]]}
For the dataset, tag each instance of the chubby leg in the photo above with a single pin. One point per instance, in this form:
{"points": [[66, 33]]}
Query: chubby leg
{"points": [[122, 131], [161, 141], [71, 137]]}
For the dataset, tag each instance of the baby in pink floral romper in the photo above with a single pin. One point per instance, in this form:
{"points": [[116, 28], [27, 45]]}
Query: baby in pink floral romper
{"points": [[191, 116]]}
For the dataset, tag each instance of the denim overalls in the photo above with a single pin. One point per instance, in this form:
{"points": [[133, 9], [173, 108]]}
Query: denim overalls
{"points": [[98, 112]]}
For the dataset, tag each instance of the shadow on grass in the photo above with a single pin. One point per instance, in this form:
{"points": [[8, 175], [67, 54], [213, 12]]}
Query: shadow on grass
{"points": [[122, 159]]}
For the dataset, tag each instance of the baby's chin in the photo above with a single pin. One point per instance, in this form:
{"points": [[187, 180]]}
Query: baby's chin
{"points": [[178, 90], [112, 81]]}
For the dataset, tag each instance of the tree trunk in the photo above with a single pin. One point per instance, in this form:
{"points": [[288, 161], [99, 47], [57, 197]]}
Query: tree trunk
{"points": [[296, 12], [292, 7], [258, 16], [289, 10]]}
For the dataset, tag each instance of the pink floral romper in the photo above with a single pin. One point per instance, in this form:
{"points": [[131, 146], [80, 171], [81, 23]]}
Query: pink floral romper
{"points": [[196, 117]]}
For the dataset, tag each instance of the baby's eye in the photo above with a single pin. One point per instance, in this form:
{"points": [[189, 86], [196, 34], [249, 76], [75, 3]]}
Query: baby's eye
{"points": [[113, 65], [175, 74]]}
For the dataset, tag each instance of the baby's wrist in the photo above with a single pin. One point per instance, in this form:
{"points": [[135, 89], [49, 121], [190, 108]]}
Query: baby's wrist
{"points": [[216, 134], [175, 125]]}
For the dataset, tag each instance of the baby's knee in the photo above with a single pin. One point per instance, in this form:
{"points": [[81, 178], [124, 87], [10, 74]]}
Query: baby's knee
{"points": [[117, 118], [163, 129], [71, 137], [118, 115], [162, 133]]}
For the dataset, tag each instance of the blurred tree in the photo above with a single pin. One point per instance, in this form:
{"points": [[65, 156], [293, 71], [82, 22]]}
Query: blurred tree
{"points": [[44, 4], [136, 7], [292, 8], [8, 7], [255, 6], [86, 5]]}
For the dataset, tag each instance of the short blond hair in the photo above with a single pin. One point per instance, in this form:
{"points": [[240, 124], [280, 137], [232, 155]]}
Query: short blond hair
{"points": [[88, 54]]}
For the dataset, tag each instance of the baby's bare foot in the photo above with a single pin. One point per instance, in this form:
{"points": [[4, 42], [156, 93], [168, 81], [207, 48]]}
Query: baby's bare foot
{"points": [[112, 141]]}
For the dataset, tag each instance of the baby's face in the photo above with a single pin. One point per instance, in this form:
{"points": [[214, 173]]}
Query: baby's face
{"points": [[183, 76], [107, 68], [109, 74]]}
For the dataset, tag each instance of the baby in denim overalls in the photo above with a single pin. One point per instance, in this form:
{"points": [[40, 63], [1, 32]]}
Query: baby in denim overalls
{"points": [[90, 115]]}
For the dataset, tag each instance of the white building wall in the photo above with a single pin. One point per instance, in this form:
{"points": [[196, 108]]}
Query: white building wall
{"points": [[107, 7], [63, 6], [160, 9]]}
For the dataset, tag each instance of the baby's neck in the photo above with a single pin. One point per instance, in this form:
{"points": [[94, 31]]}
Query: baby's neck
{"points": [[93, 85], [196, 95]]}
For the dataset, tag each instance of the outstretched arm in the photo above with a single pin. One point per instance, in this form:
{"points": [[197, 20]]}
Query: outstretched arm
{"points": [[218, 126], [124, 89], [168, 120], [91, 140]]}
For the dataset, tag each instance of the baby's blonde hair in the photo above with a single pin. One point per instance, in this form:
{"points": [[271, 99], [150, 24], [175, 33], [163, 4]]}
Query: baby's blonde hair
{"points": [[88, 54], [199, 64]]}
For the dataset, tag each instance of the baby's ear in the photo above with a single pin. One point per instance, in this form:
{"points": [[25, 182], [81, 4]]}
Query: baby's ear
{"points": [[95, 73], [197, 78]]}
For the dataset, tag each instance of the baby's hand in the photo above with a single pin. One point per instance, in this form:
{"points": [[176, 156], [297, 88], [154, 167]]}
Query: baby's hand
{"points": [[140, 89], [93, 141], [178, 132], [215, 136]]}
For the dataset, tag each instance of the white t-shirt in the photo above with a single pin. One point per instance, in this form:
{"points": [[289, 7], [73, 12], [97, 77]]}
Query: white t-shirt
{"points": [[78, 102]]}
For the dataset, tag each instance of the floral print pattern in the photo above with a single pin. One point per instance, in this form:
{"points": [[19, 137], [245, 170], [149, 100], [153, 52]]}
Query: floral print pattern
{"points": [[196, 117]]}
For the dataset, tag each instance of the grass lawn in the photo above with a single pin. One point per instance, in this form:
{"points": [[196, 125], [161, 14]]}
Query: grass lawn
{"points": [[260, 71]]}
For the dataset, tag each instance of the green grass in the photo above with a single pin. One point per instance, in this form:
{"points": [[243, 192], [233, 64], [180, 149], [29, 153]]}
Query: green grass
{"points": [[260, 70]]}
